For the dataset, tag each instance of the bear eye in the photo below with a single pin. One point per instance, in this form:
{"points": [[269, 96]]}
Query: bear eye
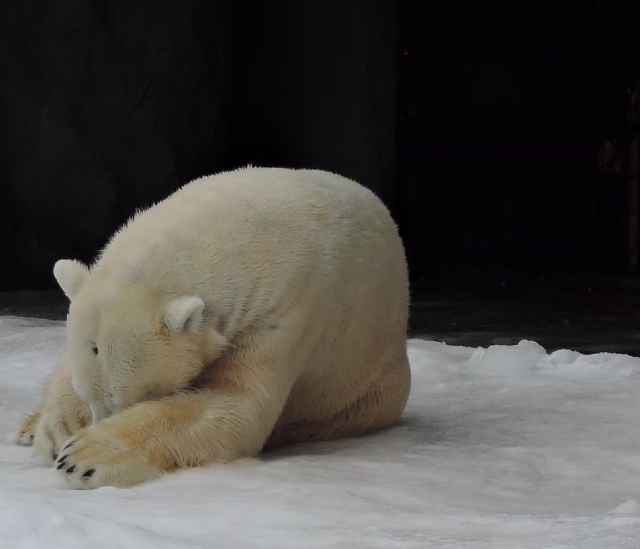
{"points": [[95, 349]]}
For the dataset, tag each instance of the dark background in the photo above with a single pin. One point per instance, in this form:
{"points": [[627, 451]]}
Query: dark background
{"points": [[478, 123]]}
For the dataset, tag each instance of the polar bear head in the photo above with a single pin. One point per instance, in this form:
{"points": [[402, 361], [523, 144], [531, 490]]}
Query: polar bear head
{"points": [[127, 344]]}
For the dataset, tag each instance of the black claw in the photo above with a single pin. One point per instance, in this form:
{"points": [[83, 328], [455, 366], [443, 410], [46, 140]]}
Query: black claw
{"points": [[54, 456], [64, 457], [61, 465], [89, 473], [71, 469], [67, 446], [31, 438]]}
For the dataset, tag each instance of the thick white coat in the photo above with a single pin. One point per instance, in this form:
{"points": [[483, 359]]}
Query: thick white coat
{"points": [[278, 299]]}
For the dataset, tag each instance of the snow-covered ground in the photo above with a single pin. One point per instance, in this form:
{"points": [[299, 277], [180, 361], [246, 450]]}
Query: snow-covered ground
{"points": [[500, 448]]}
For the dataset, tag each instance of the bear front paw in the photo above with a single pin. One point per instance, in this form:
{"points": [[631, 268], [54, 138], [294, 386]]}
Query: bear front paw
{"points": [[54, 427], [93, 458], [24, 432]]}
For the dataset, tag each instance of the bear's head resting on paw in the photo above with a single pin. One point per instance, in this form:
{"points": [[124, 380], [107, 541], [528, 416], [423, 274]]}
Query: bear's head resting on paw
{"points": [[127, 344]]}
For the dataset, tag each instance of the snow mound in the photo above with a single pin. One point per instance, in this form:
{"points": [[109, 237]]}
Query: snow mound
{"points": [[630, 507]]}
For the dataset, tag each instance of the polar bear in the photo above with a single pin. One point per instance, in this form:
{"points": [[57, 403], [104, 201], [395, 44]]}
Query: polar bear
{"points": [[250, 309]]}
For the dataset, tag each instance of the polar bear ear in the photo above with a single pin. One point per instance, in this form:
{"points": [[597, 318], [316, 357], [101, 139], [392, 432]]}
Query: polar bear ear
{"points": [[183, 314], [71, 275]]}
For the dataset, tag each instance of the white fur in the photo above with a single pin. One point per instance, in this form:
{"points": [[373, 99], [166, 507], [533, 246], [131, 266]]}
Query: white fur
{"points": [[70, 275], [258, 306], [183, 314]]}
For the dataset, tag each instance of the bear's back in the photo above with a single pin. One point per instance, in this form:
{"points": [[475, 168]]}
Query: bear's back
{"points": [[227, 236]]}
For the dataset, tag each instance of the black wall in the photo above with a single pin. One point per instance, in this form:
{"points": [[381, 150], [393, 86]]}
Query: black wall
{"points": [[502, 109], [478, 123], [109, 105]]}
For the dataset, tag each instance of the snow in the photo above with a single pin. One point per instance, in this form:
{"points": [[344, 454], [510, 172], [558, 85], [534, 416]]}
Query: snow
{"points": [[506, 447]]}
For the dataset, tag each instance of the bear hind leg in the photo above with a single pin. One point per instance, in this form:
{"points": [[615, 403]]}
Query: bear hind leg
{"points": [[377, 409]]}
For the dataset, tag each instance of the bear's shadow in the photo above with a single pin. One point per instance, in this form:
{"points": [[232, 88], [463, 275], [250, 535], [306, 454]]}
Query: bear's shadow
{"points": [[409, 432]]}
